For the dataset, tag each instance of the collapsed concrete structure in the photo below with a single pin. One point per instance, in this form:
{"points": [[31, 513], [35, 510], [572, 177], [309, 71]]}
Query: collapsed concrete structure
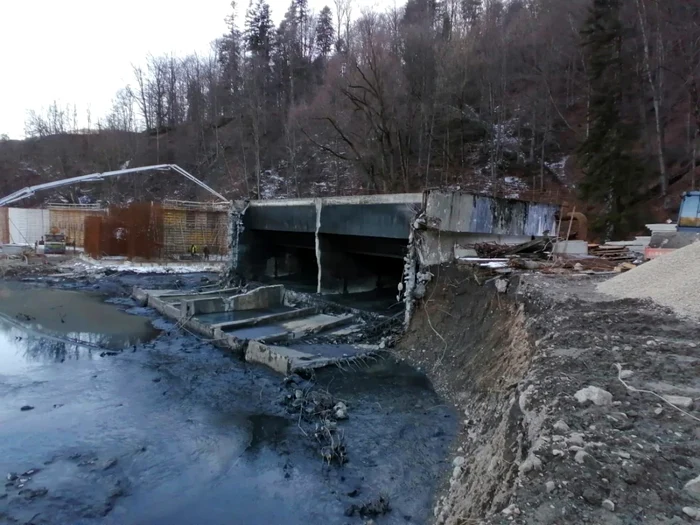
{"points": [[352, 244], [337, 246]]}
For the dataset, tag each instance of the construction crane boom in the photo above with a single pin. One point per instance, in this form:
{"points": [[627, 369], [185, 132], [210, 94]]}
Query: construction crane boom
{"points": [[94, 177]]}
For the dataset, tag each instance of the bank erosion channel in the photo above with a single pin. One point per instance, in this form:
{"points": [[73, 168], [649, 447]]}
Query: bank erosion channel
{"points": [[111, 414]]}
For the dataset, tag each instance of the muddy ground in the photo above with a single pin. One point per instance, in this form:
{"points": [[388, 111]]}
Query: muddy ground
{"points": [[529, 452], [145, 424]]}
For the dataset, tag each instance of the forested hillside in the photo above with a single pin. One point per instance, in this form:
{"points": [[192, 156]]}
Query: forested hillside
{"points": [[592, 101]]}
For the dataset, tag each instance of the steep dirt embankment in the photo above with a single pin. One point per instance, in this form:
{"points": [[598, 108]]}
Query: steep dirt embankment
{"points": [[533, 448], [474, 344]]}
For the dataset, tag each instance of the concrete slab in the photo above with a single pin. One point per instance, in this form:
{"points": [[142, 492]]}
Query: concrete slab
{"points": [[265, 319], [286, 360], [315, 324], [571, 247], [259, 298]]}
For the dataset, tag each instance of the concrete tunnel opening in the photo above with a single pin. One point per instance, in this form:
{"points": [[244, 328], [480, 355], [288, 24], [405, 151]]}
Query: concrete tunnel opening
{"points": [[352, 249]]}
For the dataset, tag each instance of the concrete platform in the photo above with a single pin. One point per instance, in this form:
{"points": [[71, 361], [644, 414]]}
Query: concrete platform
{"points": [[249, 323]]}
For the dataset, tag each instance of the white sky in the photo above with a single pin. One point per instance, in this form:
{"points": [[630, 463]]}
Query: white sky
{"points": [[81, 51]]}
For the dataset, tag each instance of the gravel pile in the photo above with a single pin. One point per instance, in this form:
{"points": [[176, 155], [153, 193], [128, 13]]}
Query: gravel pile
{"points": [[672, 280]]}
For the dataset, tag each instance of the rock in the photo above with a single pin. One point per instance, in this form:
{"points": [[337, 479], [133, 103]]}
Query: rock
{"points": [[597, 395], [456, 472], [578, 267], [298, 394], [531, 463], [582, 457], [680, 401], [501, 285], [623, 455], [560, 426], [550, 487], [341, 410], [693, 512], [25, 408], [592, 497], [12, 476], [511, 510], [658, 411], [576, 439], [608, 505], [626, 374], [693, 487], [458, 461]]}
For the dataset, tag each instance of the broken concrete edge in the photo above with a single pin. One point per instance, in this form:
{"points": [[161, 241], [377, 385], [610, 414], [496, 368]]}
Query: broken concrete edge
{"points": [[287, 361], [280, 359], [256, 299], [264, 319]]}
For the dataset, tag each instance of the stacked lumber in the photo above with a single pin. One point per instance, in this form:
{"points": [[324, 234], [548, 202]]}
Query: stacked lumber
{"points": [[611, 252]]}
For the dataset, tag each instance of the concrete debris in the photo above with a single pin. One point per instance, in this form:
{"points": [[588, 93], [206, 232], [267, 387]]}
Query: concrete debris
{"points": [[608, 505], [692, 512], [501, 285], [597, 395], [680, 401], [550, 487], [560, 426]]}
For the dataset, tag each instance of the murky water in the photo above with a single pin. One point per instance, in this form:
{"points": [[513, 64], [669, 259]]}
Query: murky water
{"points": [[174, 432]]}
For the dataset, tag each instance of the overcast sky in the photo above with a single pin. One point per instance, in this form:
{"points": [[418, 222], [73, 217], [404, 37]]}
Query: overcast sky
{"points": [[81, 51]]}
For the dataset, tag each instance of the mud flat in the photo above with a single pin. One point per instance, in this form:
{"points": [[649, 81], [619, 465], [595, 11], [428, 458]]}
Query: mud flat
{"points": [[146, 423], [552, 430]]}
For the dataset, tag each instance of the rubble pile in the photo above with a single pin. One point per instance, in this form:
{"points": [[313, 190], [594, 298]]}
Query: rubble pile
{"points": [[611, 252], [318, 414], [667, 280]]}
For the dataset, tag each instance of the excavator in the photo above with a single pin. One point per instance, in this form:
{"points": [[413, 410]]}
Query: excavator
{"points": [[687, 228]]}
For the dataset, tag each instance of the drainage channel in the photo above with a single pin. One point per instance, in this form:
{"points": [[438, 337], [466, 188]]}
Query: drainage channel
{"points": [[268, 325]]}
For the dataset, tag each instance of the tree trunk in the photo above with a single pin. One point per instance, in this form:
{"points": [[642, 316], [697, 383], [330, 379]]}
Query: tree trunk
{"points": [[656, 95]]}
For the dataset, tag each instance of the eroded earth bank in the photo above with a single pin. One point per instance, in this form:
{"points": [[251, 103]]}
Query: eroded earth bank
{"points": [[551, 430]]}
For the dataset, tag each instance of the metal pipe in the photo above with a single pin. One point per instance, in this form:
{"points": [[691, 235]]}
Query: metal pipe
{"points": [[94, 177]]}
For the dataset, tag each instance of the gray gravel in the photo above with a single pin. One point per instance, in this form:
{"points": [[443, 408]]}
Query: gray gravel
{"points": [[672, 280]]}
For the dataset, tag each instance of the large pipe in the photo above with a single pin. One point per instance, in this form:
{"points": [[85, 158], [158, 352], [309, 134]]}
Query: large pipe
{"points": [[94, 177]]}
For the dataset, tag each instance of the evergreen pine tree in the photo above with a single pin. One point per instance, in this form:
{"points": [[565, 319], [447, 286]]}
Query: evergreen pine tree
{"points": [[259, 28], [229, 57], [613, 175], [325, 34]]}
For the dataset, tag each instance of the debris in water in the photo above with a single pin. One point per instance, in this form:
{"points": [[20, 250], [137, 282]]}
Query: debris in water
{"points": [[371, 509], [26, 408]]}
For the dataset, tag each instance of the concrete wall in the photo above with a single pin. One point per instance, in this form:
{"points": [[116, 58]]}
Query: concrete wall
{"points": [[461, 219], [28, 226], [462, 212]]}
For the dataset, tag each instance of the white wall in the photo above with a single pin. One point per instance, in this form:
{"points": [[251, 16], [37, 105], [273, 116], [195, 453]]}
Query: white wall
{"points": [[28, 226]]}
